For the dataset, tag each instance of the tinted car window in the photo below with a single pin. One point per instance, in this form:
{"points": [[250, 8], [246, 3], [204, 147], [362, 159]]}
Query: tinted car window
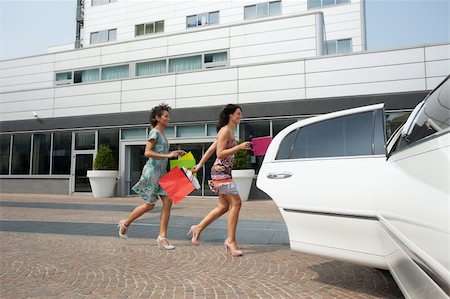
{"points": [[349, 135], [284, 151], [434, 116]]}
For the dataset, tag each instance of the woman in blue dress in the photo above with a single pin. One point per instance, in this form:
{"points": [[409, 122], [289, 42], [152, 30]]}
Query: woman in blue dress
{"points": [[157, 152]]}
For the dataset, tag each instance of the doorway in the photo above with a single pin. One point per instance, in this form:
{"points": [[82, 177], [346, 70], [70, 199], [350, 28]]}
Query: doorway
{"points": [[82, 159]]}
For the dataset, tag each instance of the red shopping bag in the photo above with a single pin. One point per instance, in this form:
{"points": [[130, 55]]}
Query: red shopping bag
{"points": [[176, 184], [260, 145]]}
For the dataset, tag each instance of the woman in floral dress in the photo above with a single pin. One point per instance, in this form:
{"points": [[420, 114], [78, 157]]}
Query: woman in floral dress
{"points": [[157, 152]]}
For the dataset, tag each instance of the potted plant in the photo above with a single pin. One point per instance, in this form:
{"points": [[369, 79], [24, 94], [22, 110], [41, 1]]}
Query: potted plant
{"points": [[103, 177], [242, 173]]}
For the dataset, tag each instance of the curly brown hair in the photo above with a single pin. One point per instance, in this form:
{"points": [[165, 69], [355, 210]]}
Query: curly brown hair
{"points": [[158, 111]]}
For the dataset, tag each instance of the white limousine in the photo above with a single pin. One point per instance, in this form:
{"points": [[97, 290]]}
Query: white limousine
{"points": [[347, 194]]}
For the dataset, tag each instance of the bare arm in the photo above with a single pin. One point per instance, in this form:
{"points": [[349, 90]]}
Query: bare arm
{"points": [[206, 156], [149, 153], [222, 140]]}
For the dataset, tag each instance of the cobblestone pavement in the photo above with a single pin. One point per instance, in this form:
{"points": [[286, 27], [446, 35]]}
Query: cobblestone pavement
{"points": [[66, 247]]}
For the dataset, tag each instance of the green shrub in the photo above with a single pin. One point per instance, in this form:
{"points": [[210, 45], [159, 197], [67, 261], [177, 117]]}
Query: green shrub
{"points": [[242, 159], [104, 159]]}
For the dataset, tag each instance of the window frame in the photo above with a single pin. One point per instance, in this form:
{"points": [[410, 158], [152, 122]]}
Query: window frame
{"points": [[327, 5], [208, 22], [99, 33], [268, 10], [145, 28], [373, 128]]}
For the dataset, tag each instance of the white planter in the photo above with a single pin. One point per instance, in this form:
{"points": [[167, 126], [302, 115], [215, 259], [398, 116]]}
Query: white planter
{"points": [[102, 182], [243, 179]]}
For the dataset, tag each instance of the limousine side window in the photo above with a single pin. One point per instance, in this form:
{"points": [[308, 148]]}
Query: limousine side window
{"points": [[359, 134], [433, 117]]}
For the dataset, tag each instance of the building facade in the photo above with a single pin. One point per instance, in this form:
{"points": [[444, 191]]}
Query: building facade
{"points": [[280, 60]]}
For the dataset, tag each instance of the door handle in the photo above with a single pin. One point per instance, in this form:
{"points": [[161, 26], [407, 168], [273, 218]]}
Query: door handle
{"points": [[280, 175]]}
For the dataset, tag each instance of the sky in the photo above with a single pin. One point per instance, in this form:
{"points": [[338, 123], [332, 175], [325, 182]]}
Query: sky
{"points": [[30, 27]]}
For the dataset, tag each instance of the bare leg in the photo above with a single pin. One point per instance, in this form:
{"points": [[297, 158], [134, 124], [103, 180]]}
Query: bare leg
{"points": [[214, 214], [137, 212], [233, 217], [164, 217]]}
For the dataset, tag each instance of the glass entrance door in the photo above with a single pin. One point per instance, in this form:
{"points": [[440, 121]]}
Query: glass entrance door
{"points": [[83, 163], [135, 161]]}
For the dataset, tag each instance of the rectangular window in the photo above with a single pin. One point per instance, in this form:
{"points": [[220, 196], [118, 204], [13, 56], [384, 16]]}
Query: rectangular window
{"points": [[149, 28], [133, 133], [339, 46], [62, 147], [215, 60], [86, 76], [110, 137], [262, 10], [85, 140], [185, 64], [41, 154], [191, 131], [319, 3], [115, 72], [5, 142], [101, 2], [103, 36], [21, 154], [63, 78], [208, 18], [150, 68]]}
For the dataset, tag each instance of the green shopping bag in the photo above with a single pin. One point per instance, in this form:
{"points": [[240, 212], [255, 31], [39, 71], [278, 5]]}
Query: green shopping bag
{"points": [[188, 163]]}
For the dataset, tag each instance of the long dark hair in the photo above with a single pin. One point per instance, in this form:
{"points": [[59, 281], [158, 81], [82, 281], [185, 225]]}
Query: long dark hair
{"points": [[224, 116], [158, 111]]}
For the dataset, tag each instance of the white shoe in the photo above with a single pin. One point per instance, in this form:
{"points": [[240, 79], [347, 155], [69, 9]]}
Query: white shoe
{"points": [[167, 247], [121, 226]]}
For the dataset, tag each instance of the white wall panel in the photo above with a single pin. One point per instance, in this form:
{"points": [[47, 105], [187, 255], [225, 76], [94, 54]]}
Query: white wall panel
{"points": [[31, 95], [163, 93], [273, 57], [145, 105], [90, 62], [88, 100], [438, 68], [432, 83], [384, 73], [274, 95], [27, 70], [149, 82], [195, 35], [437, 52], [25, 115], [207, 89], [86, 89], [24, 87], [364, 60], [365, 88], [27, 79], [44, 104], [89, 110], [273, 48], [212, 75], [276, 69], [212, 100], [126, 57], [78, 54], [257, 27], [144, 43], [204, 46], [27, 61], [272, 83], [273, 36]]}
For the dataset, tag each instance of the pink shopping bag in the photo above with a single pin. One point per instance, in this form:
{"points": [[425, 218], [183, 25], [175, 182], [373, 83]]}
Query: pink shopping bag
{"points": [[260, 145]]}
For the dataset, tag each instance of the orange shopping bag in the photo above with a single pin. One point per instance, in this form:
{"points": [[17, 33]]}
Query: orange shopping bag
{"points": [[176, 184]]}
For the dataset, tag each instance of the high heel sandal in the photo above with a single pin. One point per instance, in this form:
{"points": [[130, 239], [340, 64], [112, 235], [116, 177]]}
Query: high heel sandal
{"points": [[121, 226], [166, 247], [193, 231], [233, 252]]}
